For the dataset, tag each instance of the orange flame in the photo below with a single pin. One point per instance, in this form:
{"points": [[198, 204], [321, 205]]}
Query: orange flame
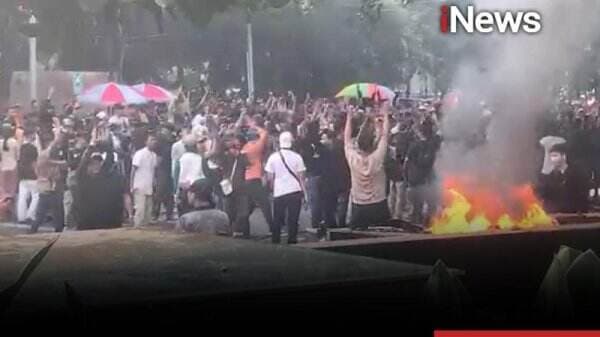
{"points": [[471, 206]]}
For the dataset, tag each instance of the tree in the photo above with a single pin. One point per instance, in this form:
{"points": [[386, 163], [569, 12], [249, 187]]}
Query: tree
{"points": [[64, 37]]}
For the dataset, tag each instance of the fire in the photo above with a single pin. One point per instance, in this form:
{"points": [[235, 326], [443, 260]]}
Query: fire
{"points": [[471, 206]]}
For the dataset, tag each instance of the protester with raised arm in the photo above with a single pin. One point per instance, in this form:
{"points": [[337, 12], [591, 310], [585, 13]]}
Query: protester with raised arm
{"points": [[365, 157], [50, 185]]}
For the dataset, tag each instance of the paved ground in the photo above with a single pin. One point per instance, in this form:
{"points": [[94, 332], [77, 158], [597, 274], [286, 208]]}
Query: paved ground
{"points": [[258, 225]]}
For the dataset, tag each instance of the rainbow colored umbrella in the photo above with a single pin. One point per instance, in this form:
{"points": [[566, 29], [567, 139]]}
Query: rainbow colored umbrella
{"points": [[111, 94], [367, 90], [154, 93]]}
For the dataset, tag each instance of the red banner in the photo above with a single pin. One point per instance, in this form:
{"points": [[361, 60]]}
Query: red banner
{"points": [[526, 333]]}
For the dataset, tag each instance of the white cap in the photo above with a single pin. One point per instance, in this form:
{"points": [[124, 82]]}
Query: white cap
{"points": [[189, 140], [101, 115], [200, 132], [285, 140]]}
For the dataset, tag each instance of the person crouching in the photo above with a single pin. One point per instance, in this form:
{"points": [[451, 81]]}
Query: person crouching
{"points": [[203, 217]]}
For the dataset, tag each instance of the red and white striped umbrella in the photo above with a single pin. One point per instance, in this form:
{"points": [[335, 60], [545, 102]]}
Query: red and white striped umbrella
{"points": [[154, 93], [110, 94]]}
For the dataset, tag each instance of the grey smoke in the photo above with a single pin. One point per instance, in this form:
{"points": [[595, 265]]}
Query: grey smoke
{"points": [[514, 74]]}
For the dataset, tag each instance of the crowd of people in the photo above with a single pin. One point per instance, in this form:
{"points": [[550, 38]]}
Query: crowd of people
{"points": [[569, 180], [210, 163]]}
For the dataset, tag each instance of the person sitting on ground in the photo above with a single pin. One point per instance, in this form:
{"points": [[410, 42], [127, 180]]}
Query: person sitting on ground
{"points": [[203, 218]]}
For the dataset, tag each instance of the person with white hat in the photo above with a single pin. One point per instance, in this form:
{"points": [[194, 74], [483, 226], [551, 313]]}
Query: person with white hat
{"points": [[285, 172], [192, 165]]}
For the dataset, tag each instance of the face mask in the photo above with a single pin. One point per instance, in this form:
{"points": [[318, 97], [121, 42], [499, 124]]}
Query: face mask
{"points": [[555, 160]]}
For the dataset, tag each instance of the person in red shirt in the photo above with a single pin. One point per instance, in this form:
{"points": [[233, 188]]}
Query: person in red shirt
{"points": [[254, 150]]}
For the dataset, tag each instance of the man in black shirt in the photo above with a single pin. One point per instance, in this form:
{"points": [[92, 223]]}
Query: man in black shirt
{"points": [[400, 141], [312, 152], [420, 173], [329, 183], [164, 180], [566, 188], [236, 203], [99, 193], [343, 180], [27, 178]]}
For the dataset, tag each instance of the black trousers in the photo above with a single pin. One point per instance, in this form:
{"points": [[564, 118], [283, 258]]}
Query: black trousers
{"points": [[329, 199], [166, 200], [313, 192], [286, 211], [50, 202], [163, 195], [342, 208], [163, 198], [371, 214], [419, 196], [259, 196], [237, 208]]}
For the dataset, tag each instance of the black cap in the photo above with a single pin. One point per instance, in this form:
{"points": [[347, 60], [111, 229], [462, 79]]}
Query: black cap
{"points": [[202, 188], [559, 148]]}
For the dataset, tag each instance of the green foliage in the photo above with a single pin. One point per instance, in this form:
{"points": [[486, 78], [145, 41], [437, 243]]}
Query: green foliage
{"points": [[201, 12]]}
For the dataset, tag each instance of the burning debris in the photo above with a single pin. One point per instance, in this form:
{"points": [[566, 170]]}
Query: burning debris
{"points": [[472, 206]]}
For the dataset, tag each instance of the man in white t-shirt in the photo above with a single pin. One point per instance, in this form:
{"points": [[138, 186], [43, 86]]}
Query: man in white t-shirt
{"points": [[200, 119], [119, 120], [191, 167], [285, 172], [142, 181]]}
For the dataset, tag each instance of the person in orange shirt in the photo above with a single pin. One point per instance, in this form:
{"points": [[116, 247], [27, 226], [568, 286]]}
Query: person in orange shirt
{"points": [[254, 150]]}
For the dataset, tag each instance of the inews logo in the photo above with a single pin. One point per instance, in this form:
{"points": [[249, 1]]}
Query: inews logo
{"points": [[453, 18]]}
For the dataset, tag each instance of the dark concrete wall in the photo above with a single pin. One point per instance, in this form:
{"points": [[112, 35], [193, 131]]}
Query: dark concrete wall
{"points": [[503, 271]]}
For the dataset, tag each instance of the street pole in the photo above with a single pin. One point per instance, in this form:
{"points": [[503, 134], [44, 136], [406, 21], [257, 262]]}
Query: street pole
{"points": [[33, 62], [250, 60], [124, 46]]}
